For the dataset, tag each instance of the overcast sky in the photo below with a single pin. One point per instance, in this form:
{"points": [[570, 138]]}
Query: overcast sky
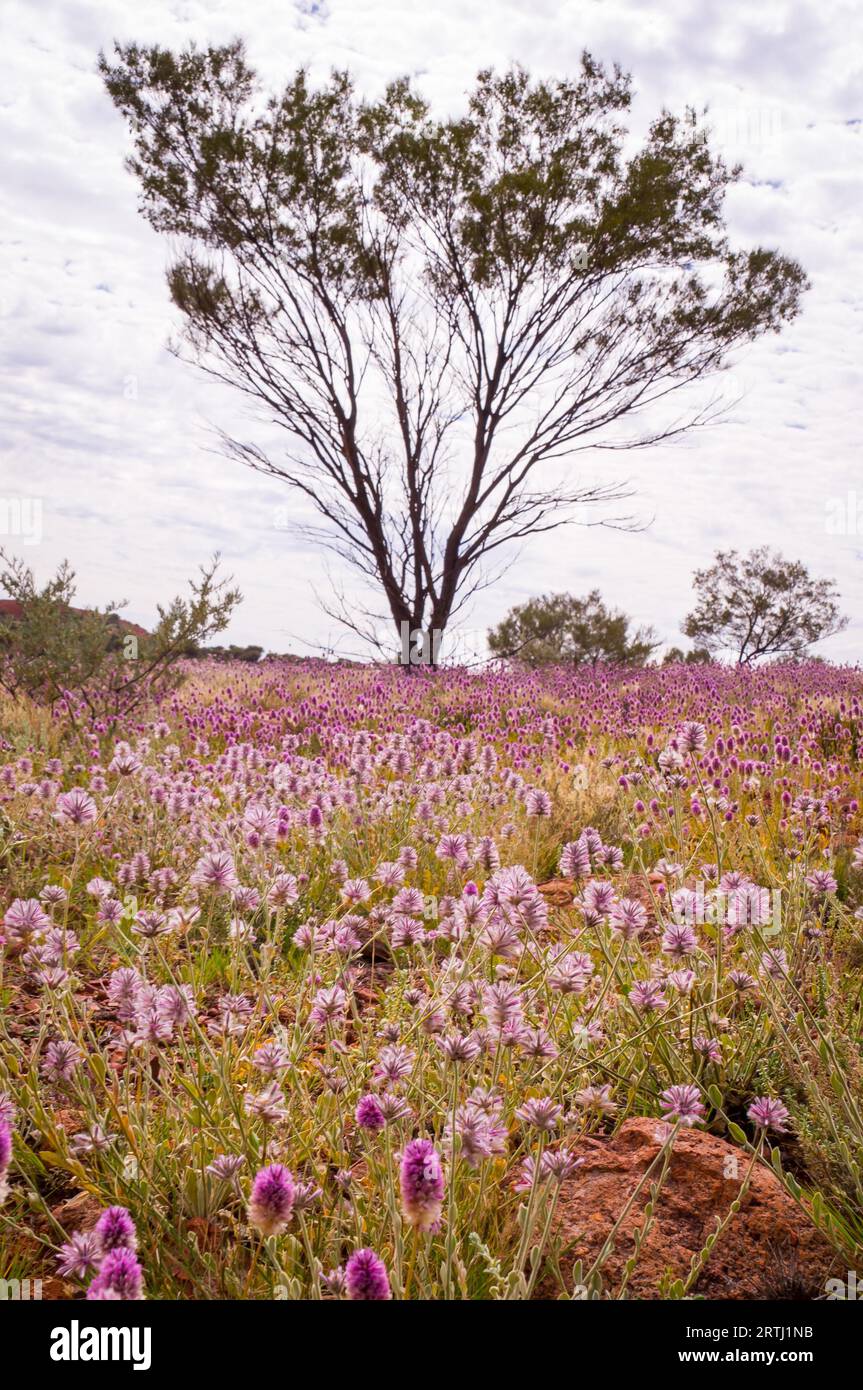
{"points": [[107, 454]]}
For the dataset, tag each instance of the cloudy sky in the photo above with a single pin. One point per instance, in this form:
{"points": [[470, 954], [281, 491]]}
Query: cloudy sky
{"points": [[107, 449]]}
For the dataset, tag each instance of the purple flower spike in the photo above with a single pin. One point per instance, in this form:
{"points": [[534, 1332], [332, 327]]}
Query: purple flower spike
{"points": [[422, 1185], [271, 1204], [120, 1277], [767, 1113], [115, 1230], [366, 1277], [369, 1113]]}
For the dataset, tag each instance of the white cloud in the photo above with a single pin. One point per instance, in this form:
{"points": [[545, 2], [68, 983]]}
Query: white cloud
{"points": [[114, 434]]}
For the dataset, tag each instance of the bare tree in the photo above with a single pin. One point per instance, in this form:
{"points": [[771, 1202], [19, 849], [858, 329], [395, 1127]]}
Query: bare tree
{"points": [[761, 605], [433, 309]]}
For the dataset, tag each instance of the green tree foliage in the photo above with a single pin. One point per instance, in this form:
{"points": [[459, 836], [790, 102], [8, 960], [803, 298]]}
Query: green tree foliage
{"points": [[435, 311], [250, 653], [761, 605], [51, 651], [563, 629], [696, 656]]}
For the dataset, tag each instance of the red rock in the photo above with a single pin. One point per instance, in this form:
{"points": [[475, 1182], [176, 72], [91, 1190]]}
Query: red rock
{"points": [[559, 892], [770, 1249]]}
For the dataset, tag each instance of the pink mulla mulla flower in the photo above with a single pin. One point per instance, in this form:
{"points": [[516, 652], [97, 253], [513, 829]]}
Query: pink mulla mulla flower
{"points": [[501, 939], [58, 945], [90, 1141], [216, 871], [150, 925], [560, 1164], [80, 1256], [394, 1065], [709, 1048], [668, 869], [535, 1042], [226, 1167], [570, 974], [554, 1165], [453, 848], [596, 1099], [124, 987], [741, 907], [356, 890], [53, 894], [51, 977], [304, 937], [575, 859], [5, 1157], [120, 1277], [647, 996], [176, 1003], [409, 902], [692, 737], [501, 1004], [422, 1185], [458, 1047], [61, 1060], [679, 941], [24, 917], [77, 807], [774, 962], [389, 875], [100, 888], [467, 911], [329, 1006], [682, 1103], [306, 1196], [611, 856], [741, 981], [487, 854], [767, 1113], [394, 1107], [821, 882], [511, 1033], [184, 916], [267, 1105], [271, 1058], [369, 1113], [685, 905], [152, 1027], [537, 802], [406, 931], [599, 897], [540, 1113], [283, 890], [681, 980], [110, 911], [115, 1230], [125, 761], [246, 899], [271, 1204], [365, 1278], [732, 879], [628, 918], [469, 1136]]}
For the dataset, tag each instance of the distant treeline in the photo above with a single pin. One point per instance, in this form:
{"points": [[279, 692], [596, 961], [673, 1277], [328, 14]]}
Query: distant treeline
{"points": [[232, 653]]}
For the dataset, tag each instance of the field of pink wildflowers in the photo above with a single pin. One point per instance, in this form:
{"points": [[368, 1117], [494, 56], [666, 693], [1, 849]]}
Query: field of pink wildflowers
{"points": [[288, 1009]]}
